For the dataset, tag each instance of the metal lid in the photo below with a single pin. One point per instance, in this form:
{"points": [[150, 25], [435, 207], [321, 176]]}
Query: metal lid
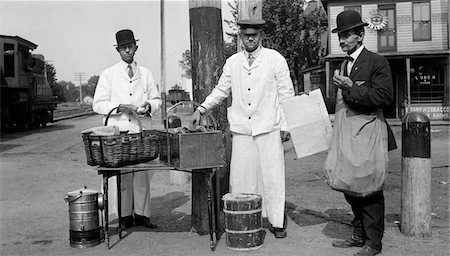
{"points": [[82, 191]]}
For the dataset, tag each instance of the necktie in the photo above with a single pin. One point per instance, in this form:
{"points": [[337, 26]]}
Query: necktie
{"points": [[349, 65], [250, 59], [130, 71]]}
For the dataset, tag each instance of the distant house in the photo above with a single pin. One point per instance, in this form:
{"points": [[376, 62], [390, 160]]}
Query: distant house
{"points": [[87, 100]]}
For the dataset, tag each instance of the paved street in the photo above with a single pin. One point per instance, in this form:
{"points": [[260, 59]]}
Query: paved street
{"points": [[39, 168]]}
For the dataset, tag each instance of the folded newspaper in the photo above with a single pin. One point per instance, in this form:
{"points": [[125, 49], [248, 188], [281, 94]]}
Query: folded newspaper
{"points": [[308, 122]]}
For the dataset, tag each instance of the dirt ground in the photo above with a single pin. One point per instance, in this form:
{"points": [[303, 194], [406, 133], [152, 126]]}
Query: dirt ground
{"points": [[39, 168]]}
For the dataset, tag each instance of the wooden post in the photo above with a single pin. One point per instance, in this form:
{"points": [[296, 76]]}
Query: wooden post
{"points": [[248, 9], [163, 62], [416, 176], [205, 19]]}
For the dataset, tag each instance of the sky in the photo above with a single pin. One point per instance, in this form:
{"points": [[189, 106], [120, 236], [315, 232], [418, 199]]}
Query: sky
{"points": [[79, 36]]}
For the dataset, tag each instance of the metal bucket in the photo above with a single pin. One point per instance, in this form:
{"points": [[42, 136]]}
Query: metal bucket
{"points": [[84, 218], [243, 221]]}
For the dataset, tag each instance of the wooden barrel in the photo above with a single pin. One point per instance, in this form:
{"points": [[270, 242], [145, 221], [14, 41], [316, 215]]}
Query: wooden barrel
{"points": [[243, 221]]}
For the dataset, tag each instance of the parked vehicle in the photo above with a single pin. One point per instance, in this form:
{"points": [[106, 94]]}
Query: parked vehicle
{"points": [[27, 101]]}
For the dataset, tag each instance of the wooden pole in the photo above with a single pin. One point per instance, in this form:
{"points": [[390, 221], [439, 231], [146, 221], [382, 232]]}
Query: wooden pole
{"points": [[206, 35], [248, 9], [163, 62], [416, 176]]}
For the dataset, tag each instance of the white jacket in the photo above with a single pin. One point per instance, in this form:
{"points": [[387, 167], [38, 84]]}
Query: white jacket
{"points": [[115, 87], [256, 92]]}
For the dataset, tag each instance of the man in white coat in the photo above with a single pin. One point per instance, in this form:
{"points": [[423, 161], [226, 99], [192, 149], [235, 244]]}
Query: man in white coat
{"points": [[132, 89], [258, 80]]}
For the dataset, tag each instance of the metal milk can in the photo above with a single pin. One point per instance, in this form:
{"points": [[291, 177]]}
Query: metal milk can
{"points": [[84, 205]]}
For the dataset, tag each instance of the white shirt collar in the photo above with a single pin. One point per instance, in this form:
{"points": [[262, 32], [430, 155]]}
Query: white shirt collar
{"points": [[356, 53], [255, 53], [124, 65]]}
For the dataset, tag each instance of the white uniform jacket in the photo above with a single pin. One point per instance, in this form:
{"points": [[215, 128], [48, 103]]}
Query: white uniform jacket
{"points": [[115, 87], [256, 92]]}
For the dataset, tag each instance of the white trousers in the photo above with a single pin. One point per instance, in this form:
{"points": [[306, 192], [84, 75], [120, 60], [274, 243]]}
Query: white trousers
{"points": [[135, 191], [257, 166]]}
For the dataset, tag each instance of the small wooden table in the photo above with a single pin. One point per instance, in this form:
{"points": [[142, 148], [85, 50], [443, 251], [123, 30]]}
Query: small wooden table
{"points": [[213, 201]]}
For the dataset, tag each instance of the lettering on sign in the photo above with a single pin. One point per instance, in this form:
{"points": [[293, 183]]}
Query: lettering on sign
{"points": [[433, 112]]}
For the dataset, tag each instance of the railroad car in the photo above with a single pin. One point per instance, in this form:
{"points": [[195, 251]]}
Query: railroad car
{"points": [[27, 101]]}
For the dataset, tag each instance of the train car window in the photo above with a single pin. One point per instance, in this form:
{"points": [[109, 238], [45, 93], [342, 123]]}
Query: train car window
{"points": [[9, 59]]}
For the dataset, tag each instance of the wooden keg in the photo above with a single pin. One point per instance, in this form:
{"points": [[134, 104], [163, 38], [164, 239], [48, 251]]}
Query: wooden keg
{"points": [[243, 221]]}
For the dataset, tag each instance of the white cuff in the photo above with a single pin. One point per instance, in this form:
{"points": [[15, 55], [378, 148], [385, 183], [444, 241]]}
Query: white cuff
{"points": [[201, 109]]}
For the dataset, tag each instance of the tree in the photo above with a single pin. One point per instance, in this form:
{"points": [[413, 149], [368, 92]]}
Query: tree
{"points": [[296, 33], [230, 47], [186, 63], [89, 88]]}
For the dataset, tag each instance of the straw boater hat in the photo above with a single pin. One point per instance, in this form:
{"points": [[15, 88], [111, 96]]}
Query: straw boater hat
{"points": [[251, 26], [347, 20], [124, 37]]}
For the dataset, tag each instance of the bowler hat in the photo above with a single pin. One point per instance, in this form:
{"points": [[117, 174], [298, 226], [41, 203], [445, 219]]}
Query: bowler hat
{"points": [[125, 36], [250, 26], [347, 20]]}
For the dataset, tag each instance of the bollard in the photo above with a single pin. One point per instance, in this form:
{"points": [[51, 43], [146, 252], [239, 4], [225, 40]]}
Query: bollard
{"points": [[416, 176]]}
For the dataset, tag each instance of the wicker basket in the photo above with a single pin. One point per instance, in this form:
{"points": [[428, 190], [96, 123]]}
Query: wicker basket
{"points": [[122, 149]]}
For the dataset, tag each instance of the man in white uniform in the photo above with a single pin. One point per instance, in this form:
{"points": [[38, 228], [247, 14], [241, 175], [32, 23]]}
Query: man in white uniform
{"points": [[129, 86], [258, 80]]}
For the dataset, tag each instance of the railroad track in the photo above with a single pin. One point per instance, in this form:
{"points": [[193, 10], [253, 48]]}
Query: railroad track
{"points": [[62, 113]]}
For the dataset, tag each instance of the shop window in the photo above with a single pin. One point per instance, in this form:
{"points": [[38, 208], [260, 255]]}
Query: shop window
{"points": [[9, 59], [421, 21], [428, 85], [353, 7]]}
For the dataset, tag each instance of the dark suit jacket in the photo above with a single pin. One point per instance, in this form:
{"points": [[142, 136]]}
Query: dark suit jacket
{"points": [[372, 87]]}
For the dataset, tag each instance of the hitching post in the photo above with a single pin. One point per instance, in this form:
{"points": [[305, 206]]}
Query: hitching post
{"points": [[416, 176]]}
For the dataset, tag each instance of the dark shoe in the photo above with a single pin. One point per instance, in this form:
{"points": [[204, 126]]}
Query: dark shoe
{"points": [[144, 221], [278, 232], [126, 222], [353, 241], [367, 251]]}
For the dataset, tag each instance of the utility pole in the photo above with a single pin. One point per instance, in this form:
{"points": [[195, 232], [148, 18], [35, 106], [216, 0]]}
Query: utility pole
{"points": [[163, 65], [248, 9], [205, 18], [80, 76]]}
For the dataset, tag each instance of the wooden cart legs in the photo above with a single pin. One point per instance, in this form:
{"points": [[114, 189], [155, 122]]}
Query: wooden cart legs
{"points": [[105, 199], [119, 202]]}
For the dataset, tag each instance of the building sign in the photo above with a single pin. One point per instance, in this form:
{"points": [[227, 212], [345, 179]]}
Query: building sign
{"points": [[433, 112], [376, 20]]}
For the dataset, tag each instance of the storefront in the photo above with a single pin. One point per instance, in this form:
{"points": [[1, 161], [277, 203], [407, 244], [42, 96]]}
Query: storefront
{"points": [[414, 38]]}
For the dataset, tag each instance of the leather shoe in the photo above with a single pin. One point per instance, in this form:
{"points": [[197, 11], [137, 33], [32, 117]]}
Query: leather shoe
{"points": [[354, 241], [367, 251], [278, 232], [144, 221], [126, 222]]}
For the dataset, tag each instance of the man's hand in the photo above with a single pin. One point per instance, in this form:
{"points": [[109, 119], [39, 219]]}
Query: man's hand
{"points": [[144, 108], [196, 117], [127, 109], [285, 136], [343, 82]]}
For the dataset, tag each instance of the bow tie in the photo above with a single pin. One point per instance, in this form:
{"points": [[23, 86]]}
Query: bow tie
{"points": [[349, 58]]}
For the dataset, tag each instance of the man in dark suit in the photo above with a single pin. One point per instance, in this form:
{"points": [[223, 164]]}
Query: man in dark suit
{"points": [[365, 82]]}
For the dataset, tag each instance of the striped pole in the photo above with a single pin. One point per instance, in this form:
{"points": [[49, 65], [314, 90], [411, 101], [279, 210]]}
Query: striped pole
{"points": [[416, 176]]}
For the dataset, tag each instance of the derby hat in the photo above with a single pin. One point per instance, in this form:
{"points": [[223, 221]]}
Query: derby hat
{"points": [[251, 26], [124, 37], [347, 20]]}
